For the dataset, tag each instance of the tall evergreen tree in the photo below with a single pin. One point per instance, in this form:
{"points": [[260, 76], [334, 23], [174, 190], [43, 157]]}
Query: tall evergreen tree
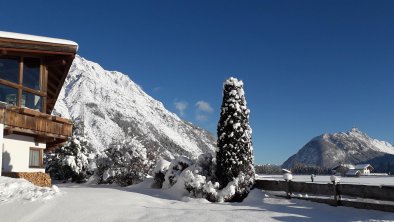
{"points": [[234, 157], [74, 159]]}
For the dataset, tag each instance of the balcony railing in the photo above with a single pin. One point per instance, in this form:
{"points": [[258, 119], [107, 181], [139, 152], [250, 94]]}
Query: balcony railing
{"points": [[31, 122]]}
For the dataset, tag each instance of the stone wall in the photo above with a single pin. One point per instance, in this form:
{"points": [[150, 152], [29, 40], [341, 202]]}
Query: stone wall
{"points": [[37, 178]]}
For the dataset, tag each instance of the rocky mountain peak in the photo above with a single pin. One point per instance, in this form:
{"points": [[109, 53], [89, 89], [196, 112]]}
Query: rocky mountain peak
{"points": [[110, 103], [329, 150]]}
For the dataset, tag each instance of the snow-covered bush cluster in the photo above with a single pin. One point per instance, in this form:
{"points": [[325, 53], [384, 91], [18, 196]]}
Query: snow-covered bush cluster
{"points": [[229, 176], [175, 169], [74, 160], [159, 173], [187, 177], [124, 162], [195, 178]]}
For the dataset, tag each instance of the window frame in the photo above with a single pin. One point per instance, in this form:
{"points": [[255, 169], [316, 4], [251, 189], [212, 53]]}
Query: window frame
{"points": [[21, 88], [41, 161]]}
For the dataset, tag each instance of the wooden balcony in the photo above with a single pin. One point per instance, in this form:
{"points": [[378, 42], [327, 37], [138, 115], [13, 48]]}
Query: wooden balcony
{"points": [[44, 127]]}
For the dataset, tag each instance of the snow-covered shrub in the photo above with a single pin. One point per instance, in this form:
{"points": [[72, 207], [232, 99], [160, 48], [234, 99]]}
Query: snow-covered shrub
{"points": [[175, 169], [234, 157], [159, 173], [190, 177], [197, 178], [124, 162], [74, 160]]}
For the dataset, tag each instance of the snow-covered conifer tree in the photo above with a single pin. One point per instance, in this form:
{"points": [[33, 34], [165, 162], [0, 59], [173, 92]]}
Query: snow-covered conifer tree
{"points": [[234, 157], [125, 162], [74, 159]]}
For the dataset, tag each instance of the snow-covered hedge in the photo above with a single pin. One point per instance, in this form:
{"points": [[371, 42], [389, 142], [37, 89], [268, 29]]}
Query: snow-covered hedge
{"points": [[196, 178], [125, 162]]}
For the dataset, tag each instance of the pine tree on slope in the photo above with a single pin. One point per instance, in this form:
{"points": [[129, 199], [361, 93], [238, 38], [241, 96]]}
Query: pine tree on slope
{"points": [[234, 157]]}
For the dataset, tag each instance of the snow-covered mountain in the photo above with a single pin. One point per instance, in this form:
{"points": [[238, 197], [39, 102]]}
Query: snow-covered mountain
{"points": [[328, 150], [110, 103]]}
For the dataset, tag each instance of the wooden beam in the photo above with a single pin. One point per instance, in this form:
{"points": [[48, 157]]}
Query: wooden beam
{"points": [[39, 93], [67, 68], [14, 129], [51, 101], [52, 85], [51, 91], [54, 145], [10, 84], [56, 73], [40, 139], [61, 120], [38, 47], [57, 62], [21, 87], [2, 115], [7, 131], [29, 112]]}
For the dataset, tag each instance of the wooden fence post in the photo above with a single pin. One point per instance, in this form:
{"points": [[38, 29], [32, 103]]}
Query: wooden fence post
{"points": [[288, 191]]}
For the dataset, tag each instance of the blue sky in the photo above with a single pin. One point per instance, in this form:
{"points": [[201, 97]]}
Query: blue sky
{"points": [[309, 67]]}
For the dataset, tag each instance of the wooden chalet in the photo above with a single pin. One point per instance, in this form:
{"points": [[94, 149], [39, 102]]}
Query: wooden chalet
{"points": [[352, 170], [32, 73]]}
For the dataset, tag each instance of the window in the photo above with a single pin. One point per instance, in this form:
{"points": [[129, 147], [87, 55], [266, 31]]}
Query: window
{"points": [[8, 95], [21, 82], [9, 69], [31, 73], [31, 101], [35, 158]]}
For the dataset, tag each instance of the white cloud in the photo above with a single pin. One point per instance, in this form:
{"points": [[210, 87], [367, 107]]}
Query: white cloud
{"points": [[204, 107], [203, 111], [181, 106], [201, 117]]}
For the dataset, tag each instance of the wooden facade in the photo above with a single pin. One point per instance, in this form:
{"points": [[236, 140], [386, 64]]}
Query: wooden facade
{"points": [[44, 127], [55, 63], [55, 57]]}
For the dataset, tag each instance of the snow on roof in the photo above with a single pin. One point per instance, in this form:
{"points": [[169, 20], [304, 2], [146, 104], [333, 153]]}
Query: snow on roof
{"points": [[352, 172], [35, 38], [362, 166], [349, 166]]}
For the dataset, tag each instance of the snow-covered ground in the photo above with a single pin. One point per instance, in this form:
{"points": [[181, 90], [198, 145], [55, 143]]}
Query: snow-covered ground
{"points": [[368, 180], [20, 189], [141, 203]]}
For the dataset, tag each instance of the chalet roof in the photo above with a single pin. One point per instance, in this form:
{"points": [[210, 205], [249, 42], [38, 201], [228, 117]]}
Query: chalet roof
{"points": [[348, 166], [57, 55], [362, 166], [22, 42], [35, 38], [352, 172]]}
